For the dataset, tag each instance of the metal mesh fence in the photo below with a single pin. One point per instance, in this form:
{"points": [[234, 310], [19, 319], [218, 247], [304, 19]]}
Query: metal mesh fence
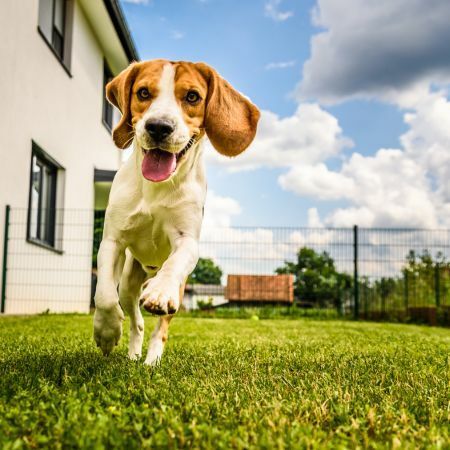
{"points": [[404, 273], [369, 273], [55, 275]]}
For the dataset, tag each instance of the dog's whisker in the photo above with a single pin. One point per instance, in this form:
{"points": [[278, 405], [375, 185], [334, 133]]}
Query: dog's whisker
{"points": [[129, 141]]}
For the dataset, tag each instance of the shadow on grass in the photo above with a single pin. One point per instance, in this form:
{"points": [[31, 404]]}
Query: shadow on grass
{"points": [[59, 368]]}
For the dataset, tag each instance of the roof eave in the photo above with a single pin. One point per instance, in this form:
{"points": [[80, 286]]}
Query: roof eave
{"points": [[118, 19]]}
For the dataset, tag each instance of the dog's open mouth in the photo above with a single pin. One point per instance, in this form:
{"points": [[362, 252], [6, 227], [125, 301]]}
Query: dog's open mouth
{"points": [[159, 165]]}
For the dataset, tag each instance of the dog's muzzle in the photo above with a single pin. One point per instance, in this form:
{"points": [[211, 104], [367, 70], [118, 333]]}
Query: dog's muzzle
{"points": [[158, 164]]}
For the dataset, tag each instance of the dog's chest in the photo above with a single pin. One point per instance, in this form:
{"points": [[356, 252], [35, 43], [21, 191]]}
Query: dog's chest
{"points": [[145, 232]]}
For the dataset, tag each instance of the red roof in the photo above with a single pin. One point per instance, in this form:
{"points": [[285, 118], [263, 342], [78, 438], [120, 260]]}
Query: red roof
{"points": [[260, 288]]}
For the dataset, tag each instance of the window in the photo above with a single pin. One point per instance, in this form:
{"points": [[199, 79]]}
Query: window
{"points": [[55, 23], [108, 109], [42, 208]]}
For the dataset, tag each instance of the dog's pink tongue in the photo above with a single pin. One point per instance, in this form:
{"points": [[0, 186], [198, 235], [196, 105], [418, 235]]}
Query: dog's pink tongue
{"points": [[158, 165]]}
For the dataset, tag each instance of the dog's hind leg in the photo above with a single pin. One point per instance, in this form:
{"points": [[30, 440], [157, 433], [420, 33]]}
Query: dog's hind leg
{"points": [[129, 289], [158, 340], [159, 337]]}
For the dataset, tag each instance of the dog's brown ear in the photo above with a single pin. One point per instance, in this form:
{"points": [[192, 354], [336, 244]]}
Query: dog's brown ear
{"points": [[118, 92], [230, 118]]}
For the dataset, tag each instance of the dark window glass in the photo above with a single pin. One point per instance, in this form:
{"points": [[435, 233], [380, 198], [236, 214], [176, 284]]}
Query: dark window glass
{"points": [[42, 206], [58, 27], [53, 26], [108, 111]]}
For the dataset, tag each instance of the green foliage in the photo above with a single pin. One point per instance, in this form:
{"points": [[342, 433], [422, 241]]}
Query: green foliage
{"points": [[426, 276], [240, 384], [264, 312], [99, 220], [205, 304], [422, 281], [205, 272], [316, 278]]}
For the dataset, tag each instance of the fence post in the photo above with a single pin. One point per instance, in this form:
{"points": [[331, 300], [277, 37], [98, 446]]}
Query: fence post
{"points": [[5, 257], [437, 285], [355, 272], [406, 292]]}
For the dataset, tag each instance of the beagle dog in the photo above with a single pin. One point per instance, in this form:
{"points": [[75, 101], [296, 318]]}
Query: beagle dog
{"points": [[155, 210]]}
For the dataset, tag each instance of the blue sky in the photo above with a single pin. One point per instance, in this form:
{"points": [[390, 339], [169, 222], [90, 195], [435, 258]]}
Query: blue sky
{"points": [[369, 99]]}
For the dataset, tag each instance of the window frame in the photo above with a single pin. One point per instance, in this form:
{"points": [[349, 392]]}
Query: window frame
{"points": [[47, 161], [55, 31], [66, 50], [107, 108]]}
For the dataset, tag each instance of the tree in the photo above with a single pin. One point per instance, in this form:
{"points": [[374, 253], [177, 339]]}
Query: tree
{"points": [[385, 287], [99, 220], [425, 277], [205, 272], [316, 277]]}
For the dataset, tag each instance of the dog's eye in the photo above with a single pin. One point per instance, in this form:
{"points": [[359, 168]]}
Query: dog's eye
{"points": [[143, 93], [192, 97]]}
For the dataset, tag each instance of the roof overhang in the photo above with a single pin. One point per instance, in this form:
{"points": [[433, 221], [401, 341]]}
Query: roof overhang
{"points": [[111, 30], [101, 175]]}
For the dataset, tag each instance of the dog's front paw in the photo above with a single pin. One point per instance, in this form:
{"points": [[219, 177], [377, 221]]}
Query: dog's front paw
{"points": [[160, 296], [108, 328]]}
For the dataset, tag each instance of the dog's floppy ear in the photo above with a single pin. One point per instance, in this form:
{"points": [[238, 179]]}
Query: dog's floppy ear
{"points": [[230, 118], [118, 92]]}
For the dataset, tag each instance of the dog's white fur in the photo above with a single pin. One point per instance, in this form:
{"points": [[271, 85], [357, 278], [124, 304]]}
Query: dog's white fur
{"points": [[151, 233], [155, 226], [166, 107]]}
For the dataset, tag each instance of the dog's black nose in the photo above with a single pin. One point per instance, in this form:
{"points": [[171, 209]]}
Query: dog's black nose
{"points": [[159, 129]]}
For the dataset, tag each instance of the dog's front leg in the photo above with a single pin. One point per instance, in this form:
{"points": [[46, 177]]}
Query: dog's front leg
{"points": [[161, 294], [108, 315]]}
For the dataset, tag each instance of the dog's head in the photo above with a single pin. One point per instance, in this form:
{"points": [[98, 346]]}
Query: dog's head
{"points": [[168, 106]]}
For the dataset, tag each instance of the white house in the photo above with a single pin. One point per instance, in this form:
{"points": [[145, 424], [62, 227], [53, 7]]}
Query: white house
{"points": [[214, 294], [55, 144]]}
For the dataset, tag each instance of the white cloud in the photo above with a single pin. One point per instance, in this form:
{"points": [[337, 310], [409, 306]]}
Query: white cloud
{"points": [[317, 181], [219, 210], [428, 138], [175, 34], [280, 65], [376, 49], [314, 218], [406, 187], [309, 136], [239, 250], [137, 2], [272, 10]]}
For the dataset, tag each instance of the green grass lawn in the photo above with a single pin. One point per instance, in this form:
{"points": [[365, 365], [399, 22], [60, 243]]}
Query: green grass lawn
{"points": [[226, 383]]}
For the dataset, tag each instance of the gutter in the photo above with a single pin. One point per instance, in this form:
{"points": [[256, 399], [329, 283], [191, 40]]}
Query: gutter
{"points": [[120, 24]]}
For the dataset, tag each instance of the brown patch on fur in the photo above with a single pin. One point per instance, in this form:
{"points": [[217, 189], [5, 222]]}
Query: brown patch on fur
{"points": [[188, 78], [230, 119], [122, 93], [118, 92], [227, 117]]}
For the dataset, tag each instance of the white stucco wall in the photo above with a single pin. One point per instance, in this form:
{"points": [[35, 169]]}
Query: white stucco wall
{"points": [[190, 302], [63, 115]]}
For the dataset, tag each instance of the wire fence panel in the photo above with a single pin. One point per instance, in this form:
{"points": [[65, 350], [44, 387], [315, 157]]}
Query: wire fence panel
{"points": [[54, 276], [404, 273], [321, 273], [368, 273]]}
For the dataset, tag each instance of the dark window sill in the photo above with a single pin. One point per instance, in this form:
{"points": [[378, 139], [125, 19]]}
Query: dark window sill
{"points": [[63, 64], [42, 244]]}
